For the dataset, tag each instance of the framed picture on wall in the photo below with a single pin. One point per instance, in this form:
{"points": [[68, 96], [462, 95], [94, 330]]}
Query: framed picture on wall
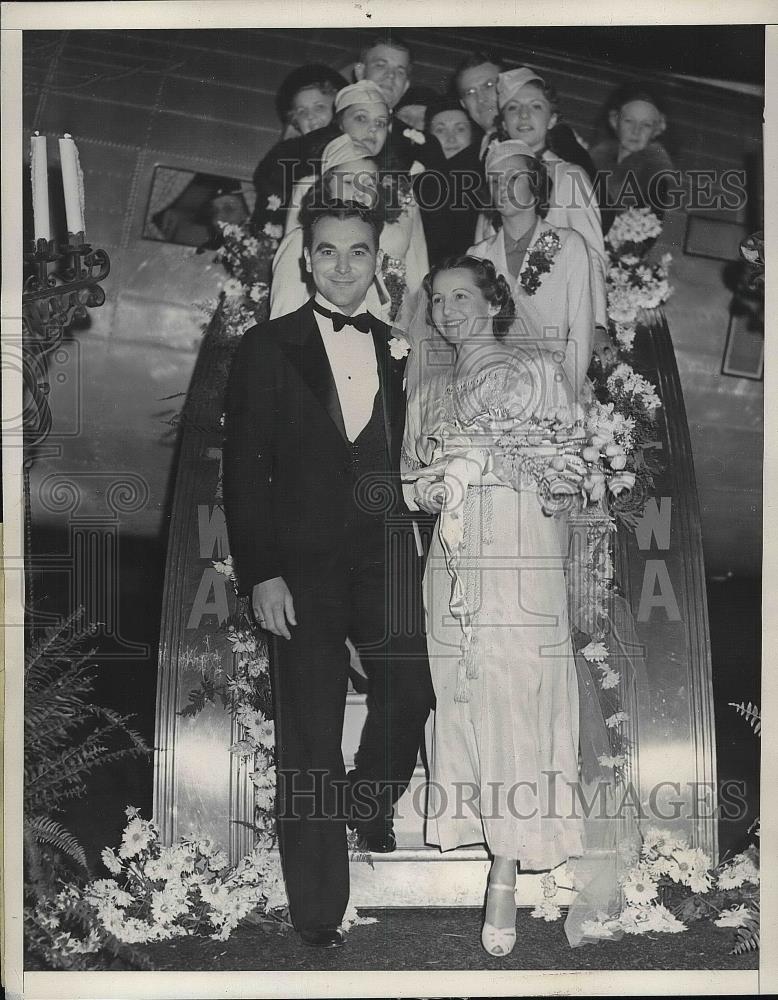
{"points": [[744, 353]]}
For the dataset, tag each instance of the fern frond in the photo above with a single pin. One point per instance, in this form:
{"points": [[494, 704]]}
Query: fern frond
{"points": [[47, 831], [750, 713], [747, 936]]}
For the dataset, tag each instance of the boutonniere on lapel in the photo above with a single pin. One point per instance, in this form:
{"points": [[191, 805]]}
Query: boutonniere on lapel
{"points": [[399, 348], [539, 261]]}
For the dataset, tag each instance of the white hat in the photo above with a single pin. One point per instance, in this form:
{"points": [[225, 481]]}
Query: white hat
{"points": [[339, 151], [511, 82], [362, 92], [499, 152]]}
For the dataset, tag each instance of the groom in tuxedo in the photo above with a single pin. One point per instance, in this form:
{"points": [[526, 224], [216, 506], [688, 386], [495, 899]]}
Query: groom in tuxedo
{"points": [[323, 545]]}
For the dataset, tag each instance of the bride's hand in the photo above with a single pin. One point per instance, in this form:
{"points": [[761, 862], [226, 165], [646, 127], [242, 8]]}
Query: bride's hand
{"points": [[429, 495]]}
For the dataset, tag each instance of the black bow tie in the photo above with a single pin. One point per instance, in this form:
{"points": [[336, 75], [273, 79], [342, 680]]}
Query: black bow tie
{"points": [[360, 322]]}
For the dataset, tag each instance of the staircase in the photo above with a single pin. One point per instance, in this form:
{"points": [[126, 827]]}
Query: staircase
{"points": [[418, 874], [199, 786]]}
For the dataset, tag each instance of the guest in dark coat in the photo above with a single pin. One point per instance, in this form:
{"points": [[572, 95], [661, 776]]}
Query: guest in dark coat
{"points": [[452, 190], [304, 103], [633, 166]]}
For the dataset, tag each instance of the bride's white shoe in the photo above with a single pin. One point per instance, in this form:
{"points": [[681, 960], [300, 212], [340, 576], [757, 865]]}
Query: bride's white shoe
{"points": [[499, 941]]}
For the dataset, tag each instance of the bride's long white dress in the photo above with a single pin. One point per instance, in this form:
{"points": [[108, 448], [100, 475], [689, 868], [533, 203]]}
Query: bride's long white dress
{"points": [[504, 762]]}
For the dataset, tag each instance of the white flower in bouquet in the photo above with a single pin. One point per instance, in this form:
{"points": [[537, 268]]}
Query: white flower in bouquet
{"points": [[111, 862], [688, 863], [625, 334], [241, 641], [218, 861], [233, 289], [167, 906], [610, 678], [170, 865], [137, 837], [275, 232], [625, 380], [735, 916], [273, 203], [259, 292], [225, 567], [215, 894], [639, 888], [664, 842], [634, 225], [106, 890], [700, 882], [739, 870], [595, 652], [609, 760]]}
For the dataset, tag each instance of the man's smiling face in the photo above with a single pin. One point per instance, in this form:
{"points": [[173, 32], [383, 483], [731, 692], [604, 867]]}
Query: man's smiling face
{"points": [[342, 260]]}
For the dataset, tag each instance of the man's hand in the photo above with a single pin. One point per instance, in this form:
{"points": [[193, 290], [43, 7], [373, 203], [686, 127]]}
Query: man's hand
{"points": [[273, 607], [603, 347], [429, 495]]}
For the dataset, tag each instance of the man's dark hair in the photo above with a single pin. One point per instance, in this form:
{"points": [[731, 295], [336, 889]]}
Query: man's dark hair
{"points": [[389, 39], [315, 211], [473, 59]]}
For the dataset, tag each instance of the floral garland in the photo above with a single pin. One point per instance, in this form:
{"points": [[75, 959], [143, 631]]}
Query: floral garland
{"points": [[632, 284]]}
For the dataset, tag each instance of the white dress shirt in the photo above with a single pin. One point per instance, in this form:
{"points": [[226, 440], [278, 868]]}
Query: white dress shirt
{"points": [[354, 367]]}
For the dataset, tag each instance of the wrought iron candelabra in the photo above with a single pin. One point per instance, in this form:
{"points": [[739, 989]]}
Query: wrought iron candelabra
{"points": [[61, 297], [50, 303]]}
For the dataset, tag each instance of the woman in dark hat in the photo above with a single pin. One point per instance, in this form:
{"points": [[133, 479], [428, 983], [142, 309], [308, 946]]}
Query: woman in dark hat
{"points": [[451, 191], [305, 107]]}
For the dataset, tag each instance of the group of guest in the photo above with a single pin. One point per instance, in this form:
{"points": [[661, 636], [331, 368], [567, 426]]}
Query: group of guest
{"points": [[423, 154]]}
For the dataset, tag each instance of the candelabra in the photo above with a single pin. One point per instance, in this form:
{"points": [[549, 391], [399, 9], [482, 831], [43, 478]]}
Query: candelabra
{"points": [[50, 303], [55, 300]]}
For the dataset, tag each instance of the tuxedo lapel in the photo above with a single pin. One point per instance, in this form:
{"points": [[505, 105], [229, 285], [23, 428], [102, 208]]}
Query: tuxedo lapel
{"points": [[389, 380], [306, 351]]}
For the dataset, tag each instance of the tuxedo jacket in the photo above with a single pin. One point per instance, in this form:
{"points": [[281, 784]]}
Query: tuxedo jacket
{"points": [[287, 481]]}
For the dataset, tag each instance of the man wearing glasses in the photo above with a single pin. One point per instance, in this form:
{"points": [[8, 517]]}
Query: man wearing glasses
{"points": [[475, 82]]}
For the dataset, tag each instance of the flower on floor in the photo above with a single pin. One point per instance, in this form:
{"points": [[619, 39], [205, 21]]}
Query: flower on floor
{"points": [[735, 916], [648, 918], [547, 910]]}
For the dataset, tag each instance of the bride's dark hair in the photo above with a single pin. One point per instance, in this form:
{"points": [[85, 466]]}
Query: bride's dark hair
{"points": [[494, 288]]}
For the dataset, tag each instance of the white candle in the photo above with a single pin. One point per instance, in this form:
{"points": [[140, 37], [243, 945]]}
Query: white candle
{"points": [[73, 183], [40, 187]]}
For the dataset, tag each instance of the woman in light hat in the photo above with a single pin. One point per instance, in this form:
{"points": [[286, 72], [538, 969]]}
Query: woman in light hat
{"points": [[348, 173], [527, 110], [556, 291]]}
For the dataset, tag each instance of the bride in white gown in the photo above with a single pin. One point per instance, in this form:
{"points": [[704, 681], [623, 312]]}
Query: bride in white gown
{"points": [[506, 723]]}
